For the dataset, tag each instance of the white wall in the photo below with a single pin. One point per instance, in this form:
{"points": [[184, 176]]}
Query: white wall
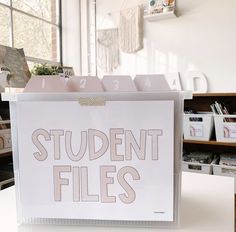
{"points": [[76, 35], [71, 34], [203, 38]]}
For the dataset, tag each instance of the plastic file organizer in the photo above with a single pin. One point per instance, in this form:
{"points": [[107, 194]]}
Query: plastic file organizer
{"points": [[106, 158]]}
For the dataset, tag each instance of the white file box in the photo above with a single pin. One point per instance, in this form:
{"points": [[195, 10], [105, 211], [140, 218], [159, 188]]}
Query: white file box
{"points": [[64, 173]]}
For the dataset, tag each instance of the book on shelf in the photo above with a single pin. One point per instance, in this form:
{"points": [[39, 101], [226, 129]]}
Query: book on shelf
{"points": [[221, 109]]}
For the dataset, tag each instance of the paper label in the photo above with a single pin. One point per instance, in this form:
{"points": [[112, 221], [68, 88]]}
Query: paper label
{"points": [[230, 131], [111, 162], [196, 130]]}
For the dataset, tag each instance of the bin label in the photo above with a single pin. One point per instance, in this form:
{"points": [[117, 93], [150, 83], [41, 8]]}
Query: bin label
{"points": [[230, 131], [110, 162], [196, 130]]}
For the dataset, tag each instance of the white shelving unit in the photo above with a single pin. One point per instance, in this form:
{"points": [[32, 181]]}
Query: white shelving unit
{"points": [[160, 16]]}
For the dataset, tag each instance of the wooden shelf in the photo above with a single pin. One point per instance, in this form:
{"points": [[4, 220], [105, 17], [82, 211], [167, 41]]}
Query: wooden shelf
{"points": [[212, 143], [214, 95], [160, 16], [7, 150], [6, 154], [202, 101], [5, 121]]}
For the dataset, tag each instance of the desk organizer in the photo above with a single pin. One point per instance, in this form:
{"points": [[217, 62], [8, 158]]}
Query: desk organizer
{"points": [[96, 158]]}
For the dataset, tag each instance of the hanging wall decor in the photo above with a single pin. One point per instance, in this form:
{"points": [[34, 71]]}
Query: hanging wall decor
{"points": [[131, 29], [108, 49]]}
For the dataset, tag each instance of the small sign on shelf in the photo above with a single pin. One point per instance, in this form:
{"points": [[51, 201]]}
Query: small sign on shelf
{"points": [[160, 9], [159, 16]]}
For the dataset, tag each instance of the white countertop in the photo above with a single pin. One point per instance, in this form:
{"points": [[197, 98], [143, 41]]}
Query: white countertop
{"points": [[207, 205]]}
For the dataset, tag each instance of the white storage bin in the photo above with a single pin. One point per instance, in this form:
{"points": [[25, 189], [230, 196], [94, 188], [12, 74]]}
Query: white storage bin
{"points": [[198, 130], [224, 170], [198, 167], [225, 131]]}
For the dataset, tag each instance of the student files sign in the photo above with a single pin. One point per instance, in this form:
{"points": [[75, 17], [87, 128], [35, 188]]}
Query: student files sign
{"points": [[111, 162]]}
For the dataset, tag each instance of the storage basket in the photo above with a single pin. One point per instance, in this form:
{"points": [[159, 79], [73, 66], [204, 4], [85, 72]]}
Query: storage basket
{"points": [[198, 126], [198, 167], [225, 128]]}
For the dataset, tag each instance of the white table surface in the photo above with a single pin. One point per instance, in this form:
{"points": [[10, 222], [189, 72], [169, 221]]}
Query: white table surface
{"points": [[207, 205]]}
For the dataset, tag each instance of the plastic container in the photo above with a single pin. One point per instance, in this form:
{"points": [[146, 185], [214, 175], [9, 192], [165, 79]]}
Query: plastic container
{"points": [[195, 167], [198, 126], [52, 112], [224, 170], [198, 167], [225, 128]]}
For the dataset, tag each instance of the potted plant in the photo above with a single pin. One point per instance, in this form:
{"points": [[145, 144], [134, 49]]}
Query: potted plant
{"points": [[45, 70]]}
